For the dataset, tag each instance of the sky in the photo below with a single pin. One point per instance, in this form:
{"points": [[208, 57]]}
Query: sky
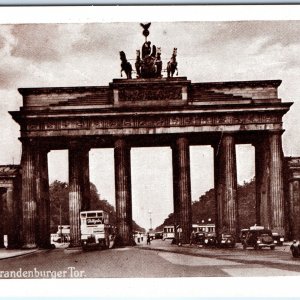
{"points": [[48, 55]]}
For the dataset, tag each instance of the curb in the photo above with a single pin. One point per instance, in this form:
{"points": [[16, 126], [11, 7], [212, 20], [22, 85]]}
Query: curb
{"points": [[223, 258], [20, 254]]}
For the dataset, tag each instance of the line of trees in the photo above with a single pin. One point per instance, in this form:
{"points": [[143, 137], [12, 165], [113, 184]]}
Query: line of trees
{"points": [[204, 207], [59, 205]]}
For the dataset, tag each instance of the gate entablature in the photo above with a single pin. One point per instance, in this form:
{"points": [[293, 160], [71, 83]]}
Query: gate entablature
{"points": [[151, 107]]}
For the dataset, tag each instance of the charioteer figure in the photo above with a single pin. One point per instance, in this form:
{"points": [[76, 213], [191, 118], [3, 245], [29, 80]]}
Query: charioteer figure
{"points": [[148, 62]]}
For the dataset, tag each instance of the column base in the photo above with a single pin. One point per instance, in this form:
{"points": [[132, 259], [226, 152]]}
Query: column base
{"points": [[29, 246], [73, 249], [13, 246], [119, 242], [47, 246], [74, 245]]}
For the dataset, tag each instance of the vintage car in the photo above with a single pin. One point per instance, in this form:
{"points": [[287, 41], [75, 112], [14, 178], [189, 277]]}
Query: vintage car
{"points": [[199, 238], [226, 240], [259, 237], [278, 239], [158, 235], [295, 248], [210, 239]]}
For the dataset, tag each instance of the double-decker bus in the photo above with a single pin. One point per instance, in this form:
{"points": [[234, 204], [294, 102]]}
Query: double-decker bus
{"points": [[95, 228]]}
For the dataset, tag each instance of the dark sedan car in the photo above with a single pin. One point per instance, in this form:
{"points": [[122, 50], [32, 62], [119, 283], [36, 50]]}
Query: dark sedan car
{"points": [[226, 240], [295, 248], [258, 238], [200, 238], [278, 239], [210, 240]]}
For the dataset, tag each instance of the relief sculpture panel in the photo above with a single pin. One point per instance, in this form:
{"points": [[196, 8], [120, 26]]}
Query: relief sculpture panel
{"points": [[113, 122], [150, 94]]}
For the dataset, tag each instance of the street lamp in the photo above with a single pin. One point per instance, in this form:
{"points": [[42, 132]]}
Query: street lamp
{"points": [[150, 212]]}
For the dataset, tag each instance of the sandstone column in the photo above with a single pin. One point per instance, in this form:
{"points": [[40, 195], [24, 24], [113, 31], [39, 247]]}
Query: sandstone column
{"points": [[123, 193], [85, 179], [43, 198], [175, 190], [262, 175], [75, 194], [3, 195], [182, 193], [276, 183], [226, 186], [269, 186], [29, 204], [12, 219], [294, 208]]}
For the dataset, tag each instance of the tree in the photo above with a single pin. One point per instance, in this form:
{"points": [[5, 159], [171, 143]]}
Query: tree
{"points": [[205, 207], [59, 205]]}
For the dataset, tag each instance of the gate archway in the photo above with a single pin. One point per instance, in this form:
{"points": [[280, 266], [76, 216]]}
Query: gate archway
{"points": [[171, 112]]}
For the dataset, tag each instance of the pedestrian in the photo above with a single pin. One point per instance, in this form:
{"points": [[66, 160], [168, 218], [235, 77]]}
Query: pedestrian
{"points": [[148, 239], [192, 237]]}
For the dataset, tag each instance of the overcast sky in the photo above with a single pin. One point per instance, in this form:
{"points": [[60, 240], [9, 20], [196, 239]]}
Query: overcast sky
{"points": [[88, 54]]}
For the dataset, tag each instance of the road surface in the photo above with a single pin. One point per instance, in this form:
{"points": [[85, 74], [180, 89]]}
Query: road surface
{"points": [[160, 259]]}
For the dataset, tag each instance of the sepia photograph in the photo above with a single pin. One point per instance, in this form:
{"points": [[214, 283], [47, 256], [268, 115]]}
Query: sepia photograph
{"points": [[150, 149]]}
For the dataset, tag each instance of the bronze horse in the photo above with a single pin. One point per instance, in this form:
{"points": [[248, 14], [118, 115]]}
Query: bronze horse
{"points": [[172, 64], [125, 65]]}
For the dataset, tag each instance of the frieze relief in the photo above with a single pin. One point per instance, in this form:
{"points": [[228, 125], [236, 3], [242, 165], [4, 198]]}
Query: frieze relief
{"points": [[153, 121], [150, 94]]}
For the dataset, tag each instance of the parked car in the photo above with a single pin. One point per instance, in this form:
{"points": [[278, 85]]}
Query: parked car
{"points": [[278, 239], [158, 235], [211, 239], [226, 240], [295, 248], [259, 237], [200, 238]]}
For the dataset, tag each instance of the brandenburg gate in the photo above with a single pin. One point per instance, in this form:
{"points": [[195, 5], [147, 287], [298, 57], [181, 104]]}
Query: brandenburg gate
{"points": [[151, 110]]}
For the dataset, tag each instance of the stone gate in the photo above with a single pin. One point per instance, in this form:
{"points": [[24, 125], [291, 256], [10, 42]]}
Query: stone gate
{"points": [[141, 112]]}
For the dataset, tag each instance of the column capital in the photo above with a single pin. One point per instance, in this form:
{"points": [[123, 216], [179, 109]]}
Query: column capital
{"points": [[182, 139], [79, 146], [122, 142], [276, 131]]}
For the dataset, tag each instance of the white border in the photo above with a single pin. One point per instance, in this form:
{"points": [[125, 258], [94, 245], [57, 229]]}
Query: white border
{"points": [[91, 14], [142, 287]]}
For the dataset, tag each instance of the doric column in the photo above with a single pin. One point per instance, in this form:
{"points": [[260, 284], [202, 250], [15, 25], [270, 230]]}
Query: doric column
{"points": [[2, 216], [276, 182], [85, 178], [43, 198], [123, 193], [218, 190], [175, 189], [269, 182], [294, 208], [75, 194], [29, 205], [182, 193], [226, 186], [262, 174], [12, 220]]}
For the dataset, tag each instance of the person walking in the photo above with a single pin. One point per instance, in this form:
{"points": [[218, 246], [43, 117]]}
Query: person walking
{"points": [[192, 237], [148, 239]]}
